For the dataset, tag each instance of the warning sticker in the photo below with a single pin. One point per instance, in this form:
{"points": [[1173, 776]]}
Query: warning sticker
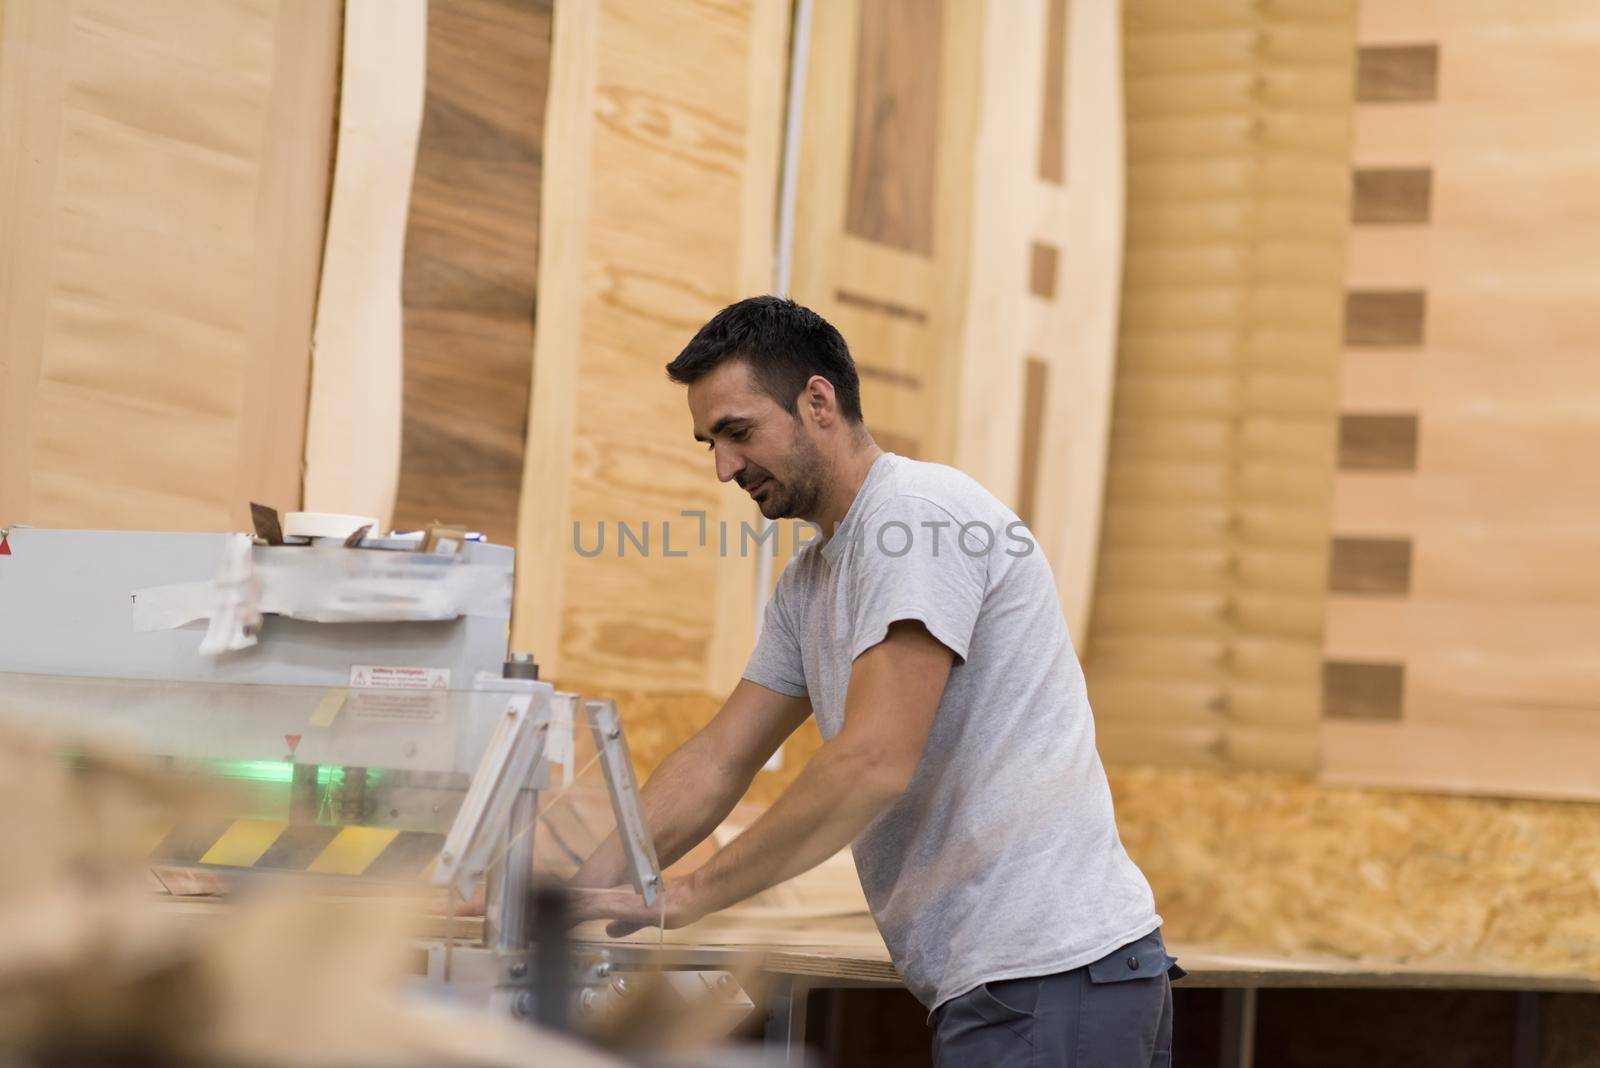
{"points": [[399, 693], [399, 678]]}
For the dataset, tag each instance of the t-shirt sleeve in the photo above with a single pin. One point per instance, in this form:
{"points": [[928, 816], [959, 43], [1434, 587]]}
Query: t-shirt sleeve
{"points": [[912, 561], [775, 662]]}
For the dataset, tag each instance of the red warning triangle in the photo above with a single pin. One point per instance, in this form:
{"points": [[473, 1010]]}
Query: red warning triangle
{"points": [[5, 545], [294, 742]]}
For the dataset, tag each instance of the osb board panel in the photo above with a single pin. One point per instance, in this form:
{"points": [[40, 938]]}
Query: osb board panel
{"points": [[161, 227], [1205, 636], [352, 452], [1276, 863], [1471, 436], [470, 269], [656, 210], [1045, 278]]}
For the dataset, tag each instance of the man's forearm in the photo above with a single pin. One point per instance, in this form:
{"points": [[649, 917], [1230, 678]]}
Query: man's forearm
{"points": [[682, 803], [842, 789]]}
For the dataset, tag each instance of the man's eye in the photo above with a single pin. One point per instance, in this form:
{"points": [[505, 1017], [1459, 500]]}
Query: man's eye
{"points": [[739, 435]]}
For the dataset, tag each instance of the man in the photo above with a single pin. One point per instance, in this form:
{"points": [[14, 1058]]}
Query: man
{"points": [[925, 635]]}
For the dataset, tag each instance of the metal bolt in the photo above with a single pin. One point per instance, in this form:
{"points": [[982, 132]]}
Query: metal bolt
{"points": [[602, 969], [614, 733], [522, 1005], [519, 968]]}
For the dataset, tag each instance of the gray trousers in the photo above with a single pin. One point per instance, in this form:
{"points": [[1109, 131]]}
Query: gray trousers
{"points": [[1113, 1013]]}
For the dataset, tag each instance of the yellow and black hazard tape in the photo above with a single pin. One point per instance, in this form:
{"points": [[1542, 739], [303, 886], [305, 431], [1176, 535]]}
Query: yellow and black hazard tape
{"points": [[372, 852]]}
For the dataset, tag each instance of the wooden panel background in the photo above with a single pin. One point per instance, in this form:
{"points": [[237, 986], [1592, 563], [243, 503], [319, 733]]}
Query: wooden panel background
{"points": [[1472, 414], [657, 209], [1472, 424], [1206, 633], [895, 288], [471, 265], [1039, 351], [163, 182], [352, 450]]}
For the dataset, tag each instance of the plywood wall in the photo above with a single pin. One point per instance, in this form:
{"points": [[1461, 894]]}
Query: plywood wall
{"points": [[660, 179], [883, 225], [1034, 400], [163, 181], [1205, 635], [1460, 647], [471, 261]]}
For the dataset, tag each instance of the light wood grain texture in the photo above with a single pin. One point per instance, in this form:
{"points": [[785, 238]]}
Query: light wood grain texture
{"points": [[353, 430], [1498, 508], [160, 231], [471, 263], [899, 308], [635, 126], [1045, 278], [1205, 638]]}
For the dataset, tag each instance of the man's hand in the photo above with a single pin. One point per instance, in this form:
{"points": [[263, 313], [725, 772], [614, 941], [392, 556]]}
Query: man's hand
{"points": [[626, 909]]}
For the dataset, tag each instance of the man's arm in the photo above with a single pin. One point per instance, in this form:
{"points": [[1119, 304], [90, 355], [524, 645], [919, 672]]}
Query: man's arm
{"points": [[895, 688], [697, 785]]}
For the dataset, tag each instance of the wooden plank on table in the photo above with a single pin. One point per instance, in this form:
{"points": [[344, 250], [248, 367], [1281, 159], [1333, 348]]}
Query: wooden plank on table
{"points": [[471, 265]]}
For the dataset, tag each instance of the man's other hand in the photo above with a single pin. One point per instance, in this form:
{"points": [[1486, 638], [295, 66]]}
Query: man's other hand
{"points": [[626, 910]]}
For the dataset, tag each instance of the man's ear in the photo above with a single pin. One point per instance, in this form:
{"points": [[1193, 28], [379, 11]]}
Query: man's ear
{"points": [[819, 398]]}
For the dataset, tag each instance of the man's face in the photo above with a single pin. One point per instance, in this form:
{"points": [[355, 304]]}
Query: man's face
{"points": [[769, 452]]}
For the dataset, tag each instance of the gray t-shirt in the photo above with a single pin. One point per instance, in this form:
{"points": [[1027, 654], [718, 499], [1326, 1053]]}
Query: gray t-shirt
{"points": [[1002, 859]]}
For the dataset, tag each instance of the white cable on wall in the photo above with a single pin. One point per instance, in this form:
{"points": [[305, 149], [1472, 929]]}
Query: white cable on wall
{"points": [[783, 266]]}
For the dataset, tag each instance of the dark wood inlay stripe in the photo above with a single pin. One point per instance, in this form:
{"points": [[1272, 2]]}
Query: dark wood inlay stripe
{"points": [[1378, 442], [1393, 74], [888, 374], [1035, 384], [1370, 565], [1391, 195], [1391, 318], [894, 151], [1053, 124], [879, 305], [1042, 264], [1359, 690]]}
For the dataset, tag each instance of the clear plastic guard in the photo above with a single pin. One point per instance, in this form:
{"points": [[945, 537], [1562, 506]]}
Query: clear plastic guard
{"points": [[308, 779]]}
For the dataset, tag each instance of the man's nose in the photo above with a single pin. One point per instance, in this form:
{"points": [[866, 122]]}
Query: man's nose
{"points": [[729, 464]]}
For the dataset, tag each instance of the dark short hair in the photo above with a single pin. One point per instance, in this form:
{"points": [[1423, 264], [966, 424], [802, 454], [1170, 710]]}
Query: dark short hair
{"points": [[782, 343]]}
